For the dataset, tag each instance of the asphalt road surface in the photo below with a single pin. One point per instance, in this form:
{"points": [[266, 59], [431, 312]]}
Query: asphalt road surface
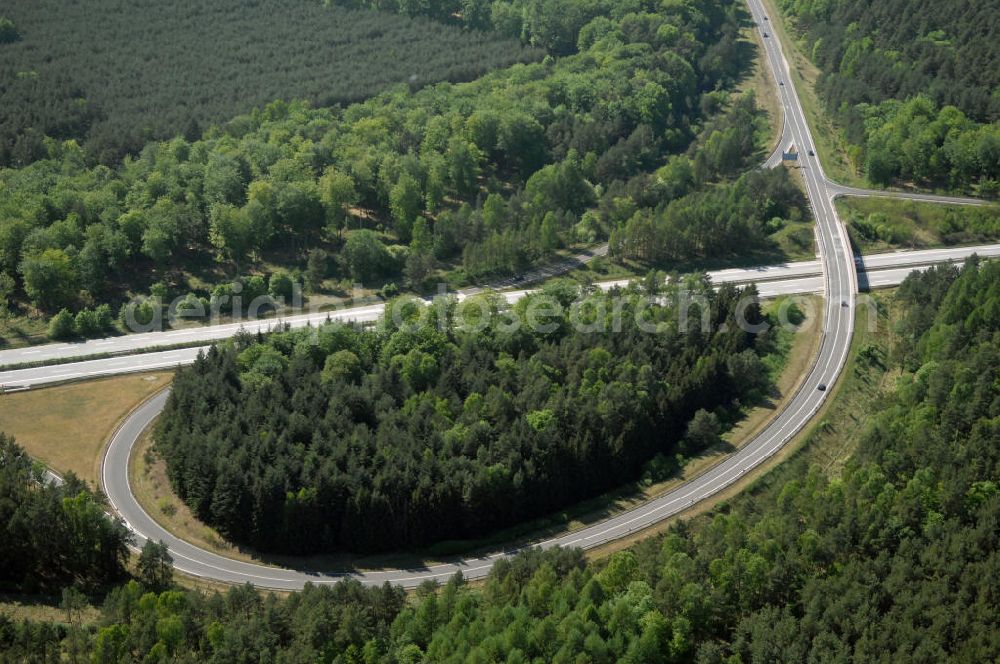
{"points": [[875, 271], [839, 284], [141, 341], [789, 274]]}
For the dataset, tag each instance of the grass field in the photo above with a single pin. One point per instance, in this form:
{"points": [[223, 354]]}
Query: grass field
{"points": [[881, 224], [761, 84], [43, 608], [66, 426], [796, 241], [19, 331]]}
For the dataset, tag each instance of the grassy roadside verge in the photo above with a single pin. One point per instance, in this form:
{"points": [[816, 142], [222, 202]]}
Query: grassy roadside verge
{"points": [[794, 242], [43, 608], [884, 224], [67, 426], [22, 331], [830, 146], [148, 479], [762, 85], [793, 354]]}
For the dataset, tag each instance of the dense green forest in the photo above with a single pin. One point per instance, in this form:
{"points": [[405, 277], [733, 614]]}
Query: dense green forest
{"points": [[345, 623], [893, 559], [735, 219], [914, 85], [896, 557], [478, 179], [53, 535], [115, 75], [557, 26], [448, 427]]}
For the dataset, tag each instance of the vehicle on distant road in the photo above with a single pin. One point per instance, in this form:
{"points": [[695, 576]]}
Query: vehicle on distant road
{"points": [[822, 387]]}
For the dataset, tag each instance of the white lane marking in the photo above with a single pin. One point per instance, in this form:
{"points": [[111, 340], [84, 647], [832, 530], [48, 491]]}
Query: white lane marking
{"points": [[755, 455]]}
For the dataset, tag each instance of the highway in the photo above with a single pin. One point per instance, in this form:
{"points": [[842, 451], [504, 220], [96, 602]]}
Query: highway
{"points": [[838, 190], [836, 279], [122, 346], [801, 277], [132, 343], [839, 285], [795, 132], [776, 158]]}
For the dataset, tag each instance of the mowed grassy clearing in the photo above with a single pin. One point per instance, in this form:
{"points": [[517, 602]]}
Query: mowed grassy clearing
{"points": [[66, 426], [882, 224]]}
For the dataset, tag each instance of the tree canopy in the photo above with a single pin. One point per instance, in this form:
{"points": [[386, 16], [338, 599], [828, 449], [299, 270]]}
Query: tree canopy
{"points": [[54, 535], [150, 71], [453, 425], [913, 84], [894, 556], [496, 174]]}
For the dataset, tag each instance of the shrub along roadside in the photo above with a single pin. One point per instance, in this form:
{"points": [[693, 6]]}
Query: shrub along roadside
{"points": [[87, 323]]}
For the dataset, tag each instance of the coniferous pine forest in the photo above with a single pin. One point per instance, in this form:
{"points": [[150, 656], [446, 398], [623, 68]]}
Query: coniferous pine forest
{"points": [[430, 428], [115, 75]]}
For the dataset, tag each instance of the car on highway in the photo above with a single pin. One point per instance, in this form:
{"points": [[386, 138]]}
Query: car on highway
{"points": [[781, 83], [766, 35], [822, 387], [812, 154]]}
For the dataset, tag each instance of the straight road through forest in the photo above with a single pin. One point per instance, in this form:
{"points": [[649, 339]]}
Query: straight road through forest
{"points": [[875, 271]]}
